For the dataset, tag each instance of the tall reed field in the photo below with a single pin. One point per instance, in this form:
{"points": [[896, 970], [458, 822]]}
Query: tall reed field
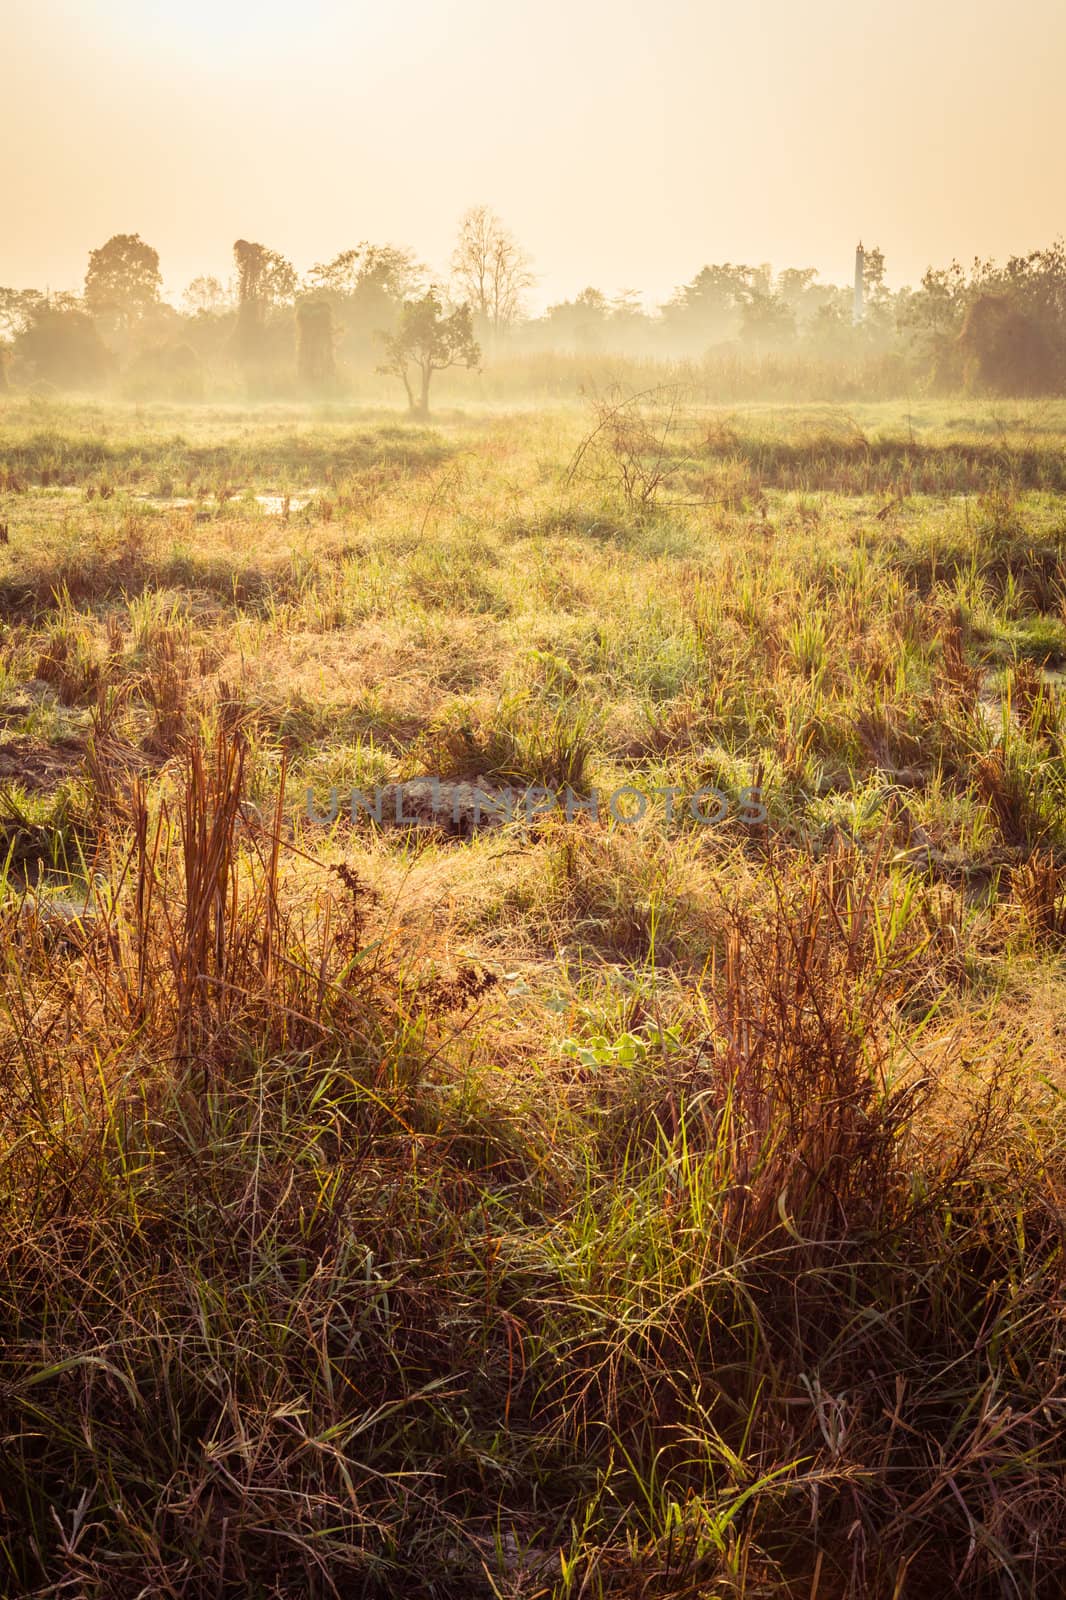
{"points": [[531, 1001]]}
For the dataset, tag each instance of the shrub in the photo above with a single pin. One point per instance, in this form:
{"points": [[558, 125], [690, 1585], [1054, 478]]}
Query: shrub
{"points": [[62, 346], [1006, 351]]}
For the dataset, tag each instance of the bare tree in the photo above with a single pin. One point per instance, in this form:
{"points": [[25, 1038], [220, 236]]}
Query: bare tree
{"points": [[490, 269], [207, 296]]}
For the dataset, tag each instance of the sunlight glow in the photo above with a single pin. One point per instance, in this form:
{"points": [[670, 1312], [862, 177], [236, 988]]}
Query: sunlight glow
{"points": [[250, 27]]}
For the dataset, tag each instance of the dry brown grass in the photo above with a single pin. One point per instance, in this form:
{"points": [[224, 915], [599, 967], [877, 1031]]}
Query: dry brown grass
{"points": [[579, 1209]]}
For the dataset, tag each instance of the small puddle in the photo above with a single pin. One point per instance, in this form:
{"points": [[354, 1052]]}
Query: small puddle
{"points": [[275, 505]]}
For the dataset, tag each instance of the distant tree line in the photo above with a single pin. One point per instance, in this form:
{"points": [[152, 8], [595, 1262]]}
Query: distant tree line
{"points": [[374, 308]]}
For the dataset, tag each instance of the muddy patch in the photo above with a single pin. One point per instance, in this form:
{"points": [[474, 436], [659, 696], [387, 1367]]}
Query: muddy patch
{"points": [[38, 766], [434, 806]]}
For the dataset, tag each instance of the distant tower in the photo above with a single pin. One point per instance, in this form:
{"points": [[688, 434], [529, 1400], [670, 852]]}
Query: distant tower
{"points": [[860, 283]]}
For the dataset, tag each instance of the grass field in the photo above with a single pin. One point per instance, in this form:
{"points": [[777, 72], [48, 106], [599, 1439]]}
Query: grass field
{"points": [[589, 1204]]}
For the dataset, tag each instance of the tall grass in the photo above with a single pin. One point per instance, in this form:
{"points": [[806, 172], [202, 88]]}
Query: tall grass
{"points": [[289, 1307], [588, 1209]]}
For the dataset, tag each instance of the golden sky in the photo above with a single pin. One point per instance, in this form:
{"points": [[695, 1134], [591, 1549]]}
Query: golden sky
{"points": [[625, 143]]}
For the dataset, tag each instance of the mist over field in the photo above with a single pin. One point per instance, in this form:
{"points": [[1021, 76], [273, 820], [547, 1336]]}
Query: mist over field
{"points": [[374, 322], [532, 802]]}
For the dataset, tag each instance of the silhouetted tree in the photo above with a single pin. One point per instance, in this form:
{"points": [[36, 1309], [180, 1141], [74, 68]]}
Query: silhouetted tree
{"points": [[709, 309], [1036, 284], [939, 305], [123, 280], [264, 279], [388, 267], [366, 287], [805, 297], [427, 341], [873, 275], [766, 321], [60, 344], [173, 369], [17, 308], [339, 276], [1005, 350], [315, 363], [580, 323], [794, 284]]}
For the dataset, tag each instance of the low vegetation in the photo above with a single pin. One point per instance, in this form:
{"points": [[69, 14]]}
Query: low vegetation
{"points": [[589, 1204]]}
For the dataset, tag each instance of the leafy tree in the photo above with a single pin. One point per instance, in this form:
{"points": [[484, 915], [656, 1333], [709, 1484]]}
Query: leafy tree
{"points": [[592, 302], [794, 284], [173, 369], [1037, 283], [831, 333], [337, 277], [366, 288], [592, 321], [391, 269], [264, 280], [710, 308], [1001, 328], [386, 268], [315, 342], [60, 344], [873, 276], [18, 307], [883, 309], [767, 320], [1005, 350], [427, 340], [490, 269], [629, 320], [580, 322], [939, 305], [123, 281], [806, 298], [932, 316]]}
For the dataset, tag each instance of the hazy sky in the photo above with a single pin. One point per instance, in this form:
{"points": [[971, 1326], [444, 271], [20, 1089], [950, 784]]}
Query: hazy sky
{"points": [[625, 143]]}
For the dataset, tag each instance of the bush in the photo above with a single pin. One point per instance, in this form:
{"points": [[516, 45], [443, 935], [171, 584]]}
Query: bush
{"points": [[171, 371], [62, 346], [1006, 351]]}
